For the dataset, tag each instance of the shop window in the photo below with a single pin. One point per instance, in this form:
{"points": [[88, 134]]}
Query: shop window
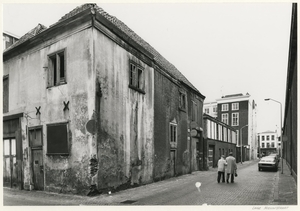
{"points": [[57, 139]]}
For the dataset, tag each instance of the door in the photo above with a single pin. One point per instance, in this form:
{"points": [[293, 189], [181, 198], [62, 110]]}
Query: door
{"points": [[173, 156], [36, 144], [9, 163], [38, 169]]}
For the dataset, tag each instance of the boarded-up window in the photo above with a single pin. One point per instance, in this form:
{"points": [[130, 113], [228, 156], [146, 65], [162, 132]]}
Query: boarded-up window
{"points": [[57, 139], [35, 137], [5, 94]]}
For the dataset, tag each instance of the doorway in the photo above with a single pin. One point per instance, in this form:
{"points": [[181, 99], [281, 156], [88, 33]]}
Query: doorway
{"points": [[36, 144], [10, 163]]}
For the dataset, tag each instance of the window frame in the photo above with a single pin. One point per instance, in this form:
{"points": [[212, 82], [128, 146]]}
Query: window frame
{"points": [[33, 129], [224, 107], [222, 118], [172, 125], [67, 139], [233, 123], [5, 103], [235, 106], [136, 77], [206, 110], [182, 100], [54, 71]]}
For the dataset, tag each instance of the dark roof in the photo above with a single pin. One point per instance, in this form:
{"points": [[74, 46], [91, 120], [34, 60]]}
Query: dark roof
{"points": [[233, 95], [33, 32], [158, 58]]}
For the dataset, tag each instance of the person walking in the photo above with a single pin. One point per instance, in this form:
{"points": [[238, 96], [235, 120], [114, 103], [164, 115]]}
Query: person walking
{"points": [[231, 168], [221, 169]]}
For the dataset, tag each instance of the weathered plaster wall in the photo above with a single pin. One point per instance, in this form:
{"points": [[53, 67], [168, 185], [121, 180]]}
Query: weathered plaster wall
{"points": [[167, 110], [28, 81], [125, 132]]}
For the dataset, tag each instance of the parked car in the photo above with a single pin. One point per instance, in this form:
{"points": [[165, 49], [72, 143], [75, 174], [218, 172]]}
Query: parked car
{"points": [[268, 162], [276, 156]]}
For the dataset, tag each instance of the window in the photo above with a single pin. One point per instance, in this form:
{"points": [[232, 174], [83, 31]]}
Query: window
{"points": [[182, 101], [273, 137], [5, 94], [35, 137], [206, 110], [224, 107], [262, 138], [268, 145], [225, 118], [272, 144], [262, 145], [57, 139], [235, 106], [136, 78], [268, 138], [235, 119], [57, 69], [194, 111], [173, 132], [215, 109]]}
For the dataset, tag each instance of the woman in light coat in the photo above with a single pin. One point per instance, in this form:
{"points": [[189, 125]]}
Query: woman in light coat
{"points": [[221, 168]]}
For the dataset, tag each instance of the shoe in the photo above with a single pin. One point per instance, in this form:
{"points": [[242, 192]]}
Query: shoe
{"points": [[232, 181], [227, 181]]}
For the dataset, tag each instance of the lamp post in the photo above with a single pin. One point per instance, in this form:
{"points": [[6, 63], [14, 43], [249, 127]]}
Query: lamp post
{"points": [[281, 145], [241, 132]]}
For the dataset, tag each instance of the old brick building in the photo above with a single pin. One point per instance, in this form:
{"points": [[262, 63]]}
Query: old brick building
{"points": [[91, 104]]}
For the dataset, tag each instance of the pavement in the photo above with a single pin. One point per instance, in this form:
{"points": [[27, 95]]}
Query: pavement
{"points": [[284, 190], [285, 187]]}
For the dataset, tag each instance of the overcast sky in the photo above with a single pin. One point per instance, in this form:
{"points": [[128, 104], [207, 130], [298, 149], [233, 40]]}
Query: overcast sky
{"points": [[222, 48]]}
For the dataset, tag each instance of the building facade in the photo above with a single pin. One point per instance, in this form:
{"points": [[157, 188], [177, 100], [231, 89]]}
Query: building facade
{"points": [[219, 139], [211, 108], [240, 112], [290, 114], [268, 143], [84, 108], [9, 39]]}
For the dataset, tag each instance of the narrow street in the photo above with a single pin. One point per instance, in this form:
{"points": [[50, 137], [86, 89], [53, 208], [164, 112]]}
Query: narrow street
{"points": [[251, 187]]}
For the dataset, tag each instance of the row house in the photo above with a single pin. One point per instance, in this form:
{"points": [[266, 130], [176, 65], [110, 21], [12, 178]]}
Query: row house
{"points": [[219, 139], [268, 143], [89, 106]]}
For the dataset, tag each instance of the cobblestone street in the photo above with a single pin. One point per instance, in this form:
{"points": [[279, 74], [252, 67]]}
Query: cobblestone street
{"points": [[251, 187]]}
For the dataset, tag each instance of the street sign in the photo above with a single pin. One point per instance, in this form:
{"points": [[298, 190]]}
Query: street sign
{"points": [[91, 126]]}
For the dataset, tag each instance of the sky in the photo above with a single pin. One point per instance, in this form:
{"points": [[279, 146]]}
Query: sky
{"points": [[221, 48]]}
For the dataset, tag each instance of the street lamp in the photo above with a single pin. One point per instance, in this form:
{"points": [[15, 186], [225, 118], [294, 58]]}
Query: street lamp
{"points": [[281, 145], [241, 132]]}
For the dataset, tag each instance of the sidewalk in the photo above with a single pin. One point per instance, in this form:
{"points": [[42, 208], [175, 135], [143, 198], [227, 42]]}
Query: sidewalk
{"points": [[285, 190]]}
